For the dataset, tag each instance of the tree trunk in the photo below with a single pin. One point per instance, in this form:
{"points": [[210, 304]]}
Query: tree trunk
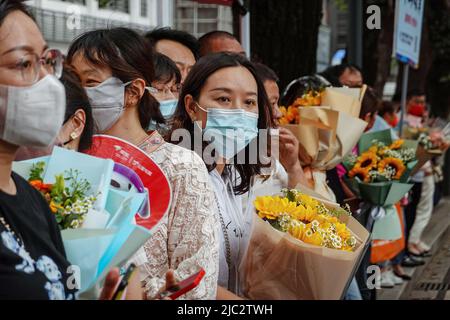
{"points": [[438, 82], [384, 51], [377, 54], [370, 45], [284, 36]]}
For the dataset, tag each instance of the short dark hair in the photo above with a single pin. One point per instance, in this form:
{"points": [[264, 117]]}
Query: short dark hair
{"points": [[415, 92], [76, 99], [205, 40], [298, 87], [332, 74], [165, 69], [265, 73], [371, 103], [8, 6], [128, 55], [183, 37], [386, 107], [397, 97], [193, 85]]}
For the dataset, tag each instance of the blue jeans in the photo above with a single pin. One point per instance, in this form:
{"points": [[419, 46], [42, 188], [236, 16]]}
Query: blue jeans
{"points": [[353, 292]]}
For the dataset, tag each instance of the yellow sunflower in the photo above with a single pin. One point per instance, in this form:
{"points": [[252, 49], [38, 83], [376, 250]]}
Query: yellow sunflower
{"points": [[297, 229], [313, 238], [342, 231], [395, 164], [326, 220], [307, 200], [396, 144], [305, 213], [361, 173], [271, 207], [283, 119], [373, 149], [367, 160], [382, 151]]}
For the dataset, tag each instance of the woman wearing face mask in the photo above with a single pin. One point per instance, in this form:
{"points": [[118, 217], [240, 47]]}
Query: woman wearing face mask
{"points": [[77, 130], [116, 69], [76, 133], [165, 88], [33, 264], [223, 97]]}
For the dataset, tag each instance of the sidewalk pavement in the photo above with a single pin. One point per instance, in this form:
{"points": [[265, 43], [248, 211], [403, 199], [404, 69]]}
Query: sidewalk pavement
{"points": [[433, 235]]}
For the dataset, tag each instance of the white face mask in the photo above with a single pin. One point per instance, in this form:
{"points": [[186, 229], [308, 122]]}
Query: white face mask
{"points": [[32, 116], [107, 102]]}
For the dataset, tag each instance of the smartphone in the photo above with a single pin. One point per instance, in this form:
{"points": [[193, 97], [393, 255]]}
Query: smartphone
{"points": [[121, 289], [184, 286]]}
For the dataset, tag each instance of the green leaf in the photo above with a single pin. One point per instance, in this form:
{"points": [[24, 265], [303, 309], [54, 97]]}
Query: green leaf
{"points": [[36, 171], [290, 195], [275, 224]]}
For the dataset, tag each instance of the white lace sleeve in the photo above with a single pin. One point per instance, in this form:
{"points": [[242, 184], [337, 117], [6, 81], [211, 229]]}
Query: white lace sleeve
{"points": [[188, 238]]}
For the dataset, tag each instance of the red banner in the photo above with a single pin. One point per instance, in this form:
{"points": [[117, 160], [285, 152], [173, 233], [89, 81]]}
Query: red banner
{"points": [[120, 151]]}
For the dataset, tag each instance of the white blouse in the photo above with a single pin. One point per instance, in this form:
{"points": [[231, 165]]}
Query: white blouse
{"points": [[235, 228]]}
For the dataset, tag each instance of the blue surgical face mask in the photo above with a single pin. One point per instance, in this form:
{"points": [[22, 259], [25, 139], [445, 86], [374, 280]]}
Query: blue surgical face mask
{"points": [[168, 108], [231, 129]]}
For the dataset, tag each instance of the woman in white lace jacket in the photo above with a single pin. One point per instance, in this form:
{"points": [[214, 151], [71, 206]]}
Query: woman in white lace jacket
{"points": [[223, 98], [111, 66]]}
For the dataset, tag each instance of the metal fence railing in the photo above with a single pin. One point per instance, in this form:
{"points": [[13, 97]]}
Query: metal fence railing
{"points": [[82, 2], [58, 26]]}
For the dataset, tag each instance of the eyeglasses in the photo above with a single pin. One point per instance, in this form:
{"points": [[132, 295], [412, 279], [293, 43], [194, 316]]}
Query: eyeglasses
{"points": [[166, 91], [30, 64]]}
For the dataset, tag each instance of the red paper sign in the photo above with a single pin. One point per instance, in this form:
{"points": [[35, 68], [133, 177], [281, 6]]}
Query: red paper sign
{"points": [[121, 151]]}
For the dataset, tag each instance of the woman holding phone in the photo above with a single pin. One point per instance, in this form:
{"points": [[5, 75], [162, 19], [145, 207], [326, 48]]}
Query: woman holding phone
{"points": [[116, 68]]}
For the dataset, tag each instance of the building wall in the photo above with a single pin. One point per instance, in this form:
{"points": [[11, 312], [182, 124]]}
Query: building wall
{"points": [[62, 21], [338, 21], [324, 39], [199, 19]]}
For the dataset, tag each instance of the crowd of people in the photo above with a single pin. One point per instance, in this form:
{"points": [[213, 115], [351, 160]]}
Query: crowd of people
{"points": [[142, 88]]}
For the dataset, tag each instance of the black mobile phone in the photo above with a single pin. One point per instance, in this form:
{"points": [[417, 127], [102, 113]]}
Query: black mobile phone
{"points": [[121, 289]]}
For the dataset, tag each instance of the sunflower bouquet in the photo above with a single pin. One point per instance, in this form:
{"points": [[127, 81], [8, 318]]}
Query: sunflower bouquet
{"points": [[379, 174], [301, 248], [327, 131], [311, 97], [426, 137], [306, 219], [68, 197], [382, 162]]}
